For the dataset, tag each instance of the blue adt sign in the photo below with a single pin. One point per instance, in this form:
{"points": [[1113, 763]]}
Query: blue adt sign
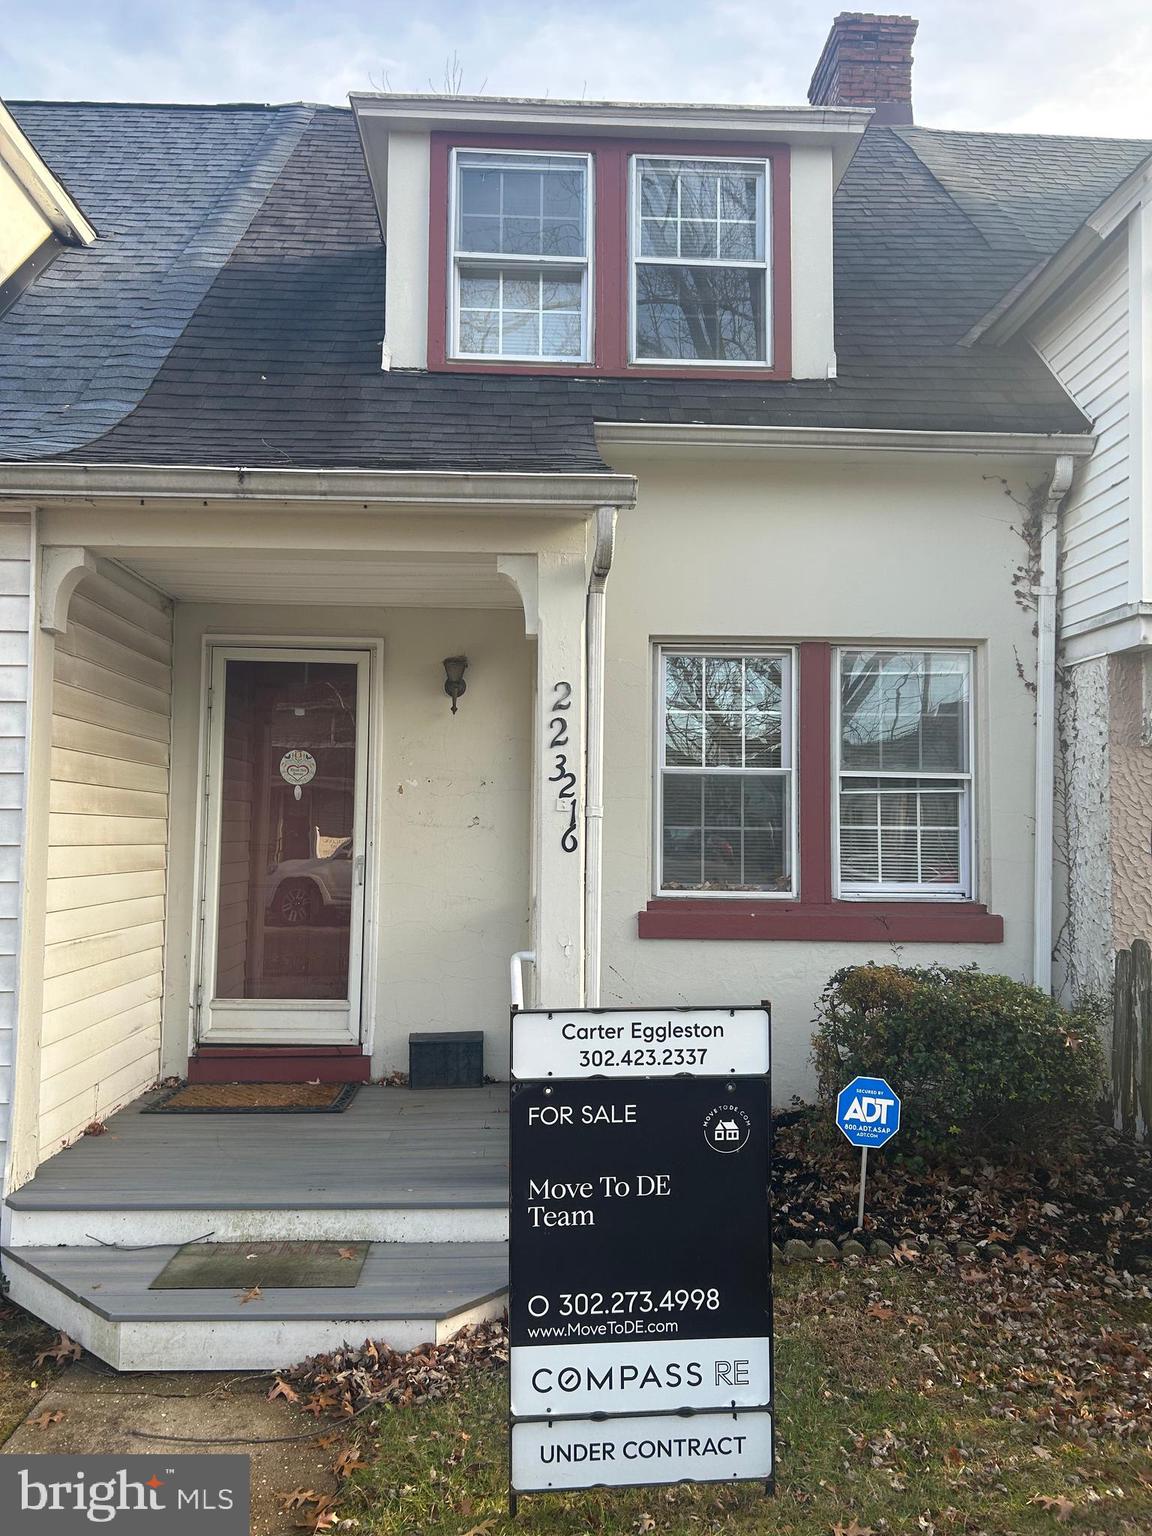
{"points": [[868, 1112]]}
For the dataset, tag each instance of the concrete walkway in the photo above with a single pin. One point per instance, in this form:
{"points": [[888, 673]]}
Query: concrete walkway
{"points": [[106, 1412]]}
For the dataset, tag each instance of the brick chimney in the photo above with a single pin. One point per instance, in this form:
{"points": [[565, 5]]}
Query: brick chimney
{"points": [[867, 62]]}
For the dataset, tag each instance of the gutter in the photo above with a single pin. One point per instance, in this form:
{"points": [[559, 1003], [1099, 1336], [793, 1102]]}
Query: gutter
{"points": [[581, 492], [594, 753], [1045, 591], [643, 434]]}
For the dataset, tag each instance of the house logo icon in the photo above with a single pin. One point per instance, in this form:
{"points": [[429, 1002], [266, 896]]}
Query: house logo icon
{"points": [[727, 1128]]}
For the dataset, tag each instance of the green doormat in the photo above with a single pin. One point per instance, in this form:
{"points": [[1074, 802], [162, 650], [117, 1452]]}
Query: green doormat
{"points": [[240, 1266]]}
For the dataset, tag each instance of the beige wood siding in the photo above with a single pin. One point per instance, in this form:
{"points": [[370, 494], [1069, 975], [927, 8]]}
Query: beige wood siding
{"points": [[1085, 343], [14, 601], [107, 851]]}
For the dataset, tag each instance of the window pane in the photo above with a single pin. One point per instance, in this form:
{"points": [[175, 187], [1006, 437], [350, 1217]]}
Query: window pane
{"points": [[522, 205], [741, 723], [905, 832], [700, 313], [683, 739], [762, 682], [726, 832], [701, 209], [724, 682], [682, 679], [904, 710], [518, 312]]}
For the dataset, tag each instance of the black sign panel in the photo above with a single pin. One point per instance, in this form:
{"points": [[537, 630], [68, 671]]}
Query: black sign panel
{"points": [[639, 1210]]}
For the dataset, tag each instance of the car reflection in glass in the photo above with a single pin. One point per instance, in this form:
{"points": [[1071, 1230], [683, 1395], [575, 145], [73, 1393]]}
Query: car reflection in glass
{"points": [[302, 892]]}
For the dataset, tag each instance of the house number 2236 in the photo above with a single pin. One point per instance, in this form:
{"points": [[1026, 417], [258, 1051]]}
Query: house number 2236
{"points": [[561, 775]]}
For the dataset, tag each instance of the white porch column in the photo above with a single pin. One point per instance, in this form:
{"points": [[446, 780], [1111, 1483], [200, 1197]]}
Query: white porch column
{"points": [[553, 589]]}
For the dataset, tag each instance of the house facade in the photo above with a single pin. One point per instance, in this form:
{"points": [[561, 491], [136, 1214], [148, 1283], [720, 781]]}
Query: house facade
{"points": [[458, 545]]}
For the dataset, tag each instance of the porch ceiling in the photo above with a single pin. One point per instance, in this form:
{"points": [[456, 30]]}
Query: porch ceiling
{"points": [[396, 579]]}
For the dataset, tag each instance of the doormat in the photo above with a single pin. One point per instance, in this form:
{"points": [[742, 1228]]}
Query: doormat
{"points": [[240, 1266], [256, 1099]]}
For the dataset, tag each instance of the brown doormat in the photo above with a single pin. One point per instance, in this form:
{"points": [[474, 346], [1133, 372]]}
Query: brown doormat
{"points": [[256, 1099], [240, 1266]]}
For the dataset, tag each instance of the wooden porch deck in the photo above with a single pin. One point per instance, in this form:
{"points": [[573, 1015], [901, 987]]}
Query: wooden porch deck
{"points": [[392, 1148]]}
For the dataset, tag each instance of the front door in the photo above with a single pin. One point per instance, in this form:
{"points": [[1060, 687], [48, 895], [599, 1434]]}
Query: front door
{"points": [[283, 901]]}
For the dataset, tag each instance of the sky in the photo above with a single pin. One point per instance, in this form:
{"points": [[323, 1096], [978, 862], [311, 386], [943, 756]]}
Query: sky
{"points": [[1040, 66]]}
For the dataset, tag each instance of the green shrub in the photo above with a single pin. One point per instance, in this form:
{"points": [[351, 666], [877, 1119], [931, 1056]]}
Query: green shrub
{"points": [[981, 1063]]}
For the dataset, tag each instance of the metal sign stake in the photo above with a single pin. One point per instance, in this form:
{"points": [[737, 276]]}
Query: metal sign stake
{"points": [[863, 1179]]}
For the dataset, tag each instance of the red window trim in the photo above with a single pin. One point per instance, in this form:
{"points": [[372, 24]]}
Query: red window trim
{"points": [[818, 915], [611, 255]]}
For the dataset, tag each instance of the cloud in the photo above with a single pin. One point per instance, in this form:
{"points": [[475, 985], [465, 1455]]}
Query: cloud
{"points": [[1018, 65]]}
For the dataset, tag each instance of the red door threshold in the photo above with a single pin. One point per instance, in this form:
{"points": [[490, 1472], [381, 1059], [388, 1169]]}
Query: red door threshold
{"points": [[279, 1064]]}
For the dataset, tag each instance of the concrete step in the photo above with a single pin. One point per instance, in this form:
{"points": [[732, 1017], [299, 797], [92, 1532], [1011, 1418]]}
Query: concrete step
{"points": [[408, 1294]]}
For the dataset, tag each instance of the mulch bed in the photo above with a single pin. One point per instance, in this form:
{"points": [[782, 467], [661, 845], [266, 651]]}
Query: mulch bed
{"points": [[1096, 1199]]}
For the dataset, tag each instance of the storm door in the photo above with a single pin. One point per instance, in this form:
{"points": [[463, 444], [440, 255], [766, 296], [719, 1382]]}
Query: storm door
{"points": [[282, 914]]}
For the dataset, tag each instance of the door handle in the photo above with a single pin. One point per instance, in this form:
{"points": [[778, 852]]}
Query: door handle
{"points": [[358, 867]]}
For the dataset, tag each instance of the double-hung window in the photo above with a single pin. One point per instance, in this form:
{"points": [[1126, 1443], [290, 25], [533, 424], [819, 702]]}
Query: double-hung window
{"points": [[726, 768], [520, 265], [700, 269], [905, 772]]}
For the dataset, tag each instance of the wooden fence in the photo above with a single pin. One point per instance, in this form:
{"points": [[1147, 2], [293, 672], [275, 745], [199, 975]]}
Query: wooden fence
{"points": [[1132, 1041]]}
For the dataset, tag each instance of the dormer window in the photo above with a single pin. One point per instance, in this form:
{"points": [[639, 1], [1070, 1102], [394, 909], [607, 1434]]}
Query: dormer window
{"points": [[588, 255], [521, 256], [699, 261]]}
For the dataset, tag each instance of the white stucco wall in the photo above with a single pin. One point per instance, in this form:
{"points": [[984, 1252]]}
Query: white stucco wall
{"points": [[451, 899], [832, 549]]}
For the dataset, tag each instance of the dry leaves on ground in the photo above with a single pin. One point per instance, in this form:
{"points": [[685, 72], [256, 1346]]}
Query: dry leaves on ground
{"points": [[1096, 1199], [1059, 1506], [63, 1349], [341, 1383], [46, 1419]]}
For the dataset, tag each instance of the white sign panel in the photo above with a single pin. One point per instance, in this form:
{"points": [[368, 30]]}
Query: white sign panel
{"points": [[586, 1453], [640, 1377], [646, 1042]]}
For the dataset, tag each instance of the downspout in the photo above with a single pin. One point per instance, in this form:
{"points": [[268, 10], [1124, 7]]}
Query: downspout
{"points": [[1045, 592], [594, 752]]}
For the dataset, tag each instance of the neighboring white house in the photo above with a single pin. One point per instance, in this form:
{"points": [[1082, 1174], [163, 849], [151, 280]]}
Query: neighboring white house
{"points": [[1087, 311], [682, 436]]}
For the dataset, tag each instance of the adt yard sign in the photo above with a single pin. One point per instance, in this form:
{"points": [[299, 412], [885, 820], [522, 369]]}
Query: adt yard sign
{"points": [[868, 1112], [640, 1309]]}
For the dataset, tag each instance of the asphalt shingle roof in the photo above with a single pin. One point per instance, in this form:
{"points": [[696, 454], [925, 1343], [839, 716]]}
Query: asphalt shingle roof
{"points": [[1026, 192], [170, 191], [278, 364]]}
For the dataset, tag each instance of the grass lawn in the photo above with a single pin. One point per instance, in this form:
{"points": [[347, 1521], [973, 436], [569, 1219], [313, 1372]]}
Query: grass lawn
{"points": [[920, 1398], [22, 1382]]}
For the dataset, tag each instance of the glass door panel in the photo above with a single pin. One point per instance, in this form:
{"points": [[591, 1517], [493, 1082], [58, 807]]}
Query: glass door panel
{"points": [[286, 875]]}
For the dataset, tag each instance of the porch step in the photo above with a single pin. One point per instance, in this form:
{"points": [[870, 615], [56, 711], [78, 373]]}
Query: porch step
{"points": [[279, 1064], [409, 1294]]}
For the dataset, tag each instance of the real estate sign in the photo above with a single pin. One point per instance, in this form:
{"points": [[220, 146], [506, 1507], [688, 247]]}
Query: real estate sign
{"points": [[640, 1304]]}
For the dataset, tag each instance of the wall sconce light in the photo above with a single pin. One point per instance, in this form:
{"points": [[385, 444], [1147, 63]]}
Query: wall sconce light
{"points": [[454, 684]]}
